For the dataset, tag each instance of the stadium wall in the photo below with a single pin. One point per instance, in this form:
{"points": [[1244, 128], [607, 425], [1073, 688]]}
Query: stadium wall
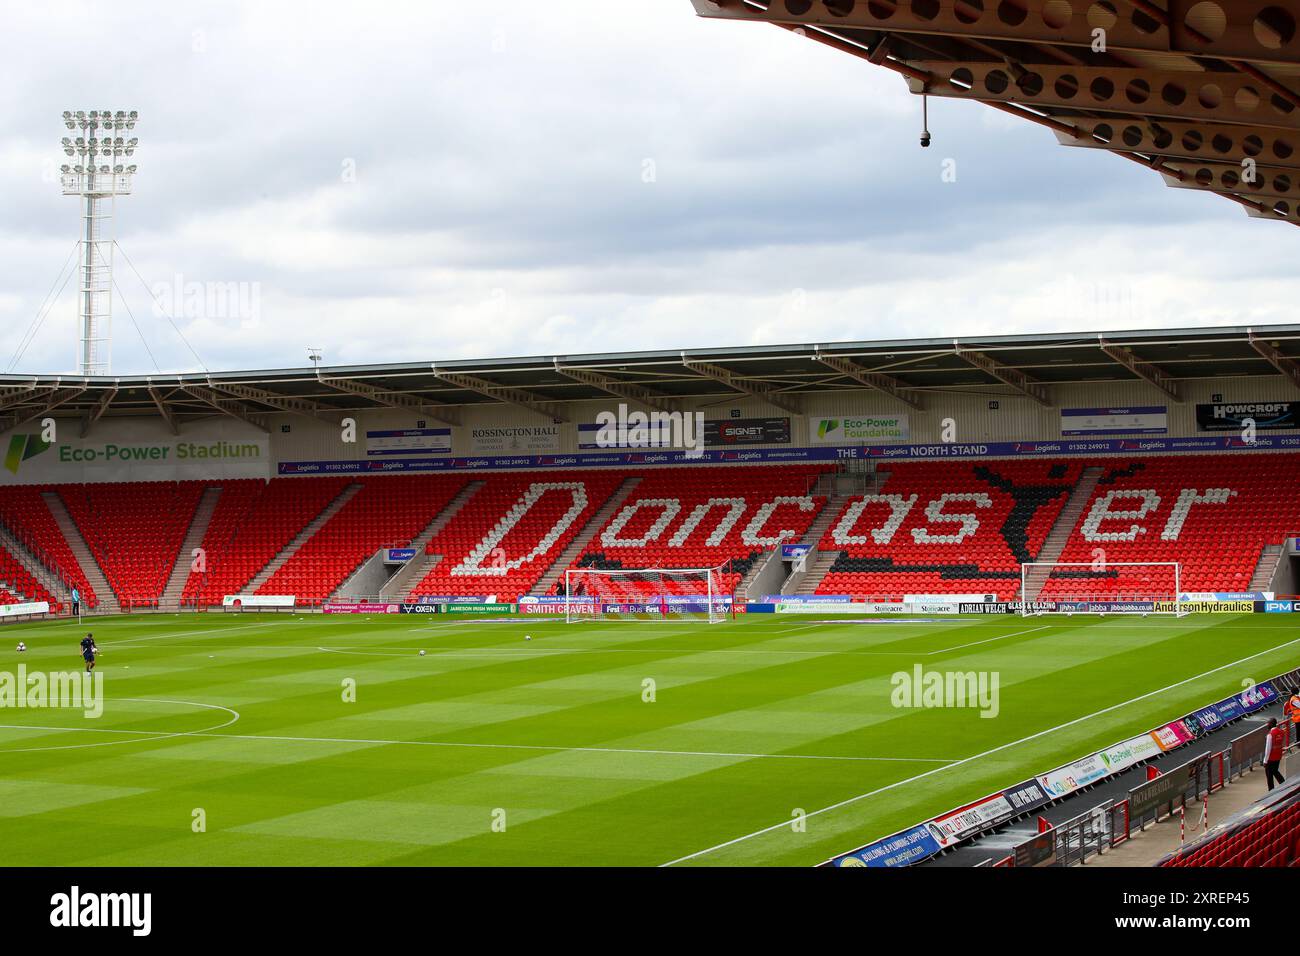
{"points": [[1015, 418], [221, 447]]}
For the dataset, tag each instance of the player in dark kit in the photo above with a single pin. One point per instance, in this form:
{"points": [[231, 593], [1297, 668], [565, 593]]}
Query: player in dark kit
{"points": [[88, 650]]}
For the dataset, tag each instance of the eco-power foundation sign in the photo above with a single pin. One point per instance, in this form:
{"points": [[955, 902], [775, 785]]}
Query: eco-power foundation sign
{"points": [[858, 429], [133, 451]]}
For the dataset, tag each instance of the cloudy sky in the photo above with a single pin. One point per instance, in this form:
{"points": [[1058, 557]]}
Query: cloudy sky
{"points": [[443, 180]]}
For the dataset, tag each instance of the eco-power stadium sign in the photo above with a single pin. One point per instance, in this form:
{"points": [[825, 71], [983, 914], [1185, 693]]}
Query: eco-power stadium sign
{"points": [[135, 451]]}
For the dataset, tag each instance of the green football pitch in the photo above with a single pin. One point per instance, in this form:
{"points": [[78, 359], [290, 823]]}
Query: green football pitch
{"points": [[329, 740]]}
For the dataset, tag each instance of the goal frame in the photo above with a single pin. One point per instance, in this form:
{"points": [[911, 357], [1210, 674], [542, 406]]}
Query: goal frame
{"points": [[1025, 566], [713, 595]]}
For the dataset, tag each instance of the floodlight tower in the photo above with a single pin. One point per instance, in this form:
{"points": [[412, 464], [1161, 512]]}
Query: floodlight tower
{"points": [[98, 177]]}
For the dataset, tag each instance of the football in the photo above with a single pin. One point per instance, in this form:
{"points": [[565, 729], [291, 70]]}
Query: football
{"points": [[528, 637], [421, 653], [21, 647]]}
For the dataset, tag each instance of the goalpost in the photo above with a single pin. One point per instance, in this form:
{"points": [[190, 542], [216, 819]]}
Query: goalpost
{"points": [[646, 593], [1113, 587]]}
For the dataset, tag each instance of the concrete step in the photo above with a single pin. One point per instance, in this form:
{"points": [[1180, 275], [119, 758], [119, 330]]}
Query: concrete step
{"points": [[34, 566], [816, 531], [812, 577], [1269, 558], [301, 538], [410, 574], [1056, 540], [426, 563], [180, 574], [548, 580], [108, 603]]}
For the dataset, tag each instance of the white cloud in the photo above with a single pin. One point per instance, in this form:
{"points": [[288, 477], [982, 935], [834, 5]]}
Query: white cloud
{"points": [[500, 203]]}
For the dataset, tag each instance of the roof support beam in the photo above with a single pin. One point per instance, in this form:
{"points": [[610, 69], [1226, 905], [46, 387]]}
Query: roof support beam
{"points": [[623, 390], [501, 393], [1154, 35], [68, 394], [1005, 374], [1143, 370], [224, 405], [24, 394], [877, 380], [403, 400], [96, 411], [164, 410], [767, 393], [1069, 86], [283, 403], [1286, 366], [1189, 143]]}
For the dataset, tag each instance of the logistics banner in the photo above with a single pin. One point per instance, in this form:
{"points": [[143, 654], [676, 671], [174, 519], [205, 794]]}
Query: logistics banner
{"points": [[1234, 416], [615, 458]]}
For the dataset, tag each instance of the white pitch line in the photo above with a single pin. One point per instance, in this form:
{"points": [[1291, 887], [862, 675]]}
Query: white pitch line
{"points": [[451, 743], [159, 637], [152, 735], [978, 756], [1000, 637]]}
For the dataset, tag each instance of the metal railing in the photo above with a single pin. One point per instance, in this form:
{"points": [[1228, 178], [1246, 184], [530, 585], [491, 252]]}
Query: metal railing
{"points": [[1084, 835], [1109, 824]]}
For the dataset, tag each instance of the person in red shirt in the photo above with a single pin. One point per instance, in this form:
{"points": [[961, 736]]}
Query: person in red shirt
{"points": [[1274, 745]]}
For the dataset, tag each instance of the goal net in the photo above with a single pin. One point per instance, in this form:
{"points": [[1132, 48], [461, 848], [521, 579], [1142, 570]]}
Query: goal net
{"points": [[1113, 587], [647, 594]]}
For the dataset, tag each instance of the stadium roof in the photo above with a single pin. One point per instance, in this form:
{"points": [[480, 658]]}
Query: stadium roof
{"points": [[1205, 93], [782, 375]]}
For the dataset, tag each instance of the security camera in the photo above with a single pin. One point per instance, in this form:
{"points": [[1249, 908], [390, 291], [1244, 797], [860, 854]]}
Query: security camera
{"points": [[925, 138]]}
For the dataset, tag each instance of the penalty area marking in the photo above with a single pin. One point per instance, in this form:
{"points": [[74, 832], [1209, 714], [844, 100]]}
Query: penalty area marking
{"points": [[138, 736], [979, 756]]}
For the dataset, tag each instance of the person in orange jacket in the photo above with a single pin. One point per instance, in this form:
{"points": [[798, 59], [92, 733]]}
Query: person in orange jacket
{"points": [[1292, 709]]}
